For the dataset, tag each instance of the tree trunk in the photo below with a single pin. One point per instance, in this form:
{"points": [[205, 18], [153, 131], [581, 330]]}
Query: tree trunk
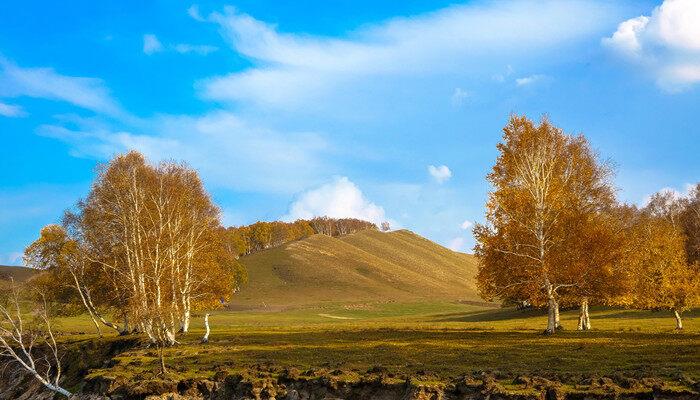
{"points": [[557, 323], [205, 339], [185, 324], [170, 337], [679, 321], [127, 329], [163, 370], [551, 317], [584, 320]]}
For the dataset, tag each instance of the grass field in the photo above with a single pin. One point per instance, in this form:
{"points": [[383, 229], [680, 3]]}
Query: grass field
{"points": [[282, 328], [430, 341]]}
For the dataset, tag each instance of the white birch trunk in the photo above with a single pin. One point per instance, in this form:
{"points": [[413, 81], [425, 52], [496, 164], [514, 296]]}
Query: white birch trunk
{"points": [[557, 323], [584, 319], [679, 321], [551, 318], [205, 339]]}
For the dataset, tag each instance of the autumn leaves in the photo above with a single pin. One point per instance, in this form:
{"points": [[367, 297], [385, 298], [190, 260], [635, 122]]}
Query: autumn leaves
{"points": [[145, 247], [555, 234]]}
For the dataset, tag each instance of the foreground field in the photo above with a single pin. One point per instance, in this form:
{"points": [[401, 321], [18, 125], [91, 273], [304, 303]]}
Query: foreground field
{"points": [[429, 344]]}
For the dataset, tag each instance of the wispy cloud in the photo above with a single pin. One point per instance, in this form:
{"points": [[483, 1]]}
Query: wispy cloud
{"points": [[201, 49], [193, 12], [291, 69], [666, 43], [88, 93], [460, 96], [9, 110], [467, 224], [151, 44], [529, 80], [230, 152]]}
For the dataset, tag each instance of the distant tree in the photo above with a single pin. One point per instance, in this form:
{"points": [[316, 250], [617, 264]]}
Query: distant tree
{"points": [[385, 226], [322, 225], [234, 241], [660, 273], [261, 235], [545, 183]]}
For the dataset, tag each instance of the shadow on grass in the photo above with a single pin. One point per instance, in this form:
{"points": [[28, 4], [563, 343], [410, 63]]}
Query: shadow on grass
{"points": [[502, 314], [636, 314]]}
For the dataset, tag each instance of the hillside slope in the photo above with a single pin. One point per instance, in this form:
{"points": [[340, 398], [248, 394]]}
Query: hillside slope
{"points": [[368, 265], [19, 274]]}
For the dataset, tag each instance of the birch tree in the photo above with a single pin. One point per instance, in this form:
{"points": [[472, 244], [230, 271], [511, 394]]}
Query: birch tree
{"points": [[148, 240], [544, 182], [664, 253], [30, 344], [596, 257]]}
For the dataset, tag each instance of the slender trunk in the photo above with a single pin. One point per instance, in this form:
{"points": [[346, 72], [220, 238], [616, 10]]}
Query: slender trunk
{"points": [[557, 323], [163, 370], [58, 389], [85, 303], [205, 339], [551, 318], [185, 324], [584, 321], [679, 321], [170, 336]]}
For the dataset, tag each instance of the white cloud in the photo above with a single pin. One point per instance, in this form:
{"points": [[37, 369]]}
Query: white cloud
{"points": [[666, 43], [456, 244], [291, 69], [440, 173], [529, 80], [151, 44], [201, 49], [87, 93], [675, 193], [10, 110], [460, 96], [466, 224], [338, 199], [228, 151], [193, 12]]}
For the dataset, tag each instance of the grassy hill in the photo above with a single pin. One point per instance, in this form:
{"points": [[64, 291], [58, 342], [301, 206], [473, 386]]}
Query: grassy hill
{"points": [[368, 265], [19, 274]]}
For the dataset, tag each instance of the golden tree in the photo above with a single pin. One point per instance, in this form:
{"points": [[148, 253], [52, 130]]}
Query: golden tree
{"points": [[545, 184], [148, 240], [595, 256], [658, 258]]}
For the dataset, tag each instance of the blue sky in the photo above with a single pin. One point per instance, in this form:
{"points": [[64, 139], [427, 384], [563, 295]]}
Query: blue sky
{"points": [[379, 110]]}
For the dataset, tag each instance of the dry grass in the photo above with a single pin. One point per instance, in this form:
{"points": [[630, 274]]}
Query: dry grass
{"points": [[368, 265], [442, 340]]}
